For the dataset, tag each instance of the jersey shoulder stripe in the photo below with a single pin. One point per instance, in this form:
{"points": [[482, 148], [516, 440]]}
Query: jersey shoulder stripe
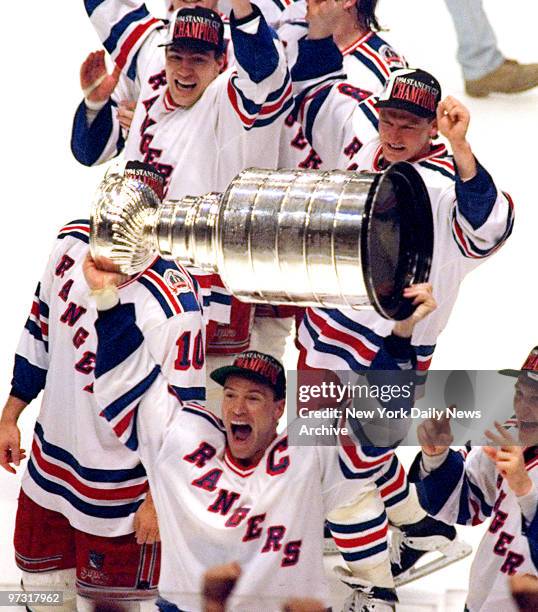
{"points": [[441, 166], [171, 286], [80, 229], [205, 414]]}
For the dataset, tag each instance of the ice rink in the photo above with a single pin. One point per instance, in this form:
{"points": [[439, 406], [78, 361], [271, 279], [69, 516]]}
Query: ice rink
{"points": [[494, 323]]}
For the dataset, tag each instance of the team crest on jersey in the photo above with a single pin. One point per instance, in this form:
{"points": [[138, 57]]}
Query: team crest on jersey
{"points": [[176, 281], [391, 57], [96, 560]]}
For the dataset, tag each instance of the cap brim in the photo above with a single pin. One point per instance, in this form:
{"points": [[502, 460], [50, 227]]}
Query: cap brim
{"points": [[405, 106], [517, 373], [513, 373], [191, 44]]}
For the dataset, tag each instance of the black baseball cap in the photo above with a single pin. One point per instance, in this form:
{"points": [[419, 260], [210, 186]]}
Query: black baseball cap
{"points": [[413, 90], [256, 366], [197, 28], [529, 368]]}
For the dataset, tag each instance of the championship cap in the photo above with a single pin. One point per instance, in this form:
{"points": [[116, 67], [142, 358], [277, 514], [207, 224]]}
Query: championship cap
{"points": [[139, 171], [196, 28], [256, 366], [413, 90], [529, 368]]}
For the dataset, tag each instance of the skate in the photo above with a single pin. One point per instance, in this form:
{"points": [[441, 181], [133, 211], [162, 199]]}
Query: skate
{"points": [[409, 543], [365, 597]]}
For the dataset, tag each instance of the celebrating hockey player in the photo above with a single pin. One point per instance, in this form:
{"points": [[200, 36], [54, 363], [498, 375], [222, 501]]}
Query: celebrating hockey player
{"points": [[196, 125], [83, 515], [472, 217], [498, 481], [226, 490]]}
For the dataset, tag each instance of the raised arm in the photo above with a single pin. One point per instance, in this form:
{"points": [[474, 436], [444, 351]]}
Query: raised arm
{"points": [[259, 89], [483, 216]]}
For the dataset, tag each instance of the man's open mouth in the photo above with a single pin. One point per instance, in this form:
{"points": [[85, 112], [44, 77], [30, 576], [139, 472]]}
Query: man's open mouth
{"points": [[241, 431], [185, 86]]}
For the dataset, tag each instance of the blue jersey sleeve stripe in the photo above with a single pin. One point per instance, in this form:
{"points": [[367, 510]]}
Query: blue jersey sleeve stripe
{"points": [[89, 141], [370, 64], [28, 379], [255, 53], [372, 118], [339, 317], [91, 5], [34, 330], [90, 474], [43, 309], [109, 325], [355, 475], [432, 497], [261, 122], [157, 295], [324, 347], [113, 409], [132, 441], [75, 234], [189, 394], [444, 172], [313, 109], [188, 301], [119, 29]]}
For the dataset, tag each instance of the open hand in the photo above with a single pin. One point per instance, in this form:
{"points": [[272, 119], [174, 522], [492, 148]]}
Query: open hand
{"points": [[97, 84], [507, 455]]}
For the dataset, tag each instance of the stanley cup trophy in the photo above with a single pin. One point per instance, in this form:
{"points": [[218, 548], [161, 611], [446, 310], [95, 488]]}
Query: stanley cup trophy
{"points": [[303, 237]]}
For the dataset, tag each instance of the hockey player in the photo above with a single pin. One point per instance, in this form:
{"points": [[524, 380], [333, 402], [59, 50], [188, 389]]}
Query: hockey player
{"points": [[368, 61], [84, 492], [472, 218], [225, 490], [196, 126], [498, 481]]}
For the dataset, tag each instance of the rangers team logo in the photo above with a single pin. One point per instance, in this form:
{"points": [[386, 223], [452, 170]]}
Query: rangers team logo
{"points": [[96, 560], [391, 57], [176, 281]]}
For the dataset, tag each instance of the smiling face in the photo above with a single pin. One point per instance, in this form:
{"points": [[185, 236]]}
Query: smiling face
{"points": [[526, 409], [404, 136], [189, 73], [250, 414]]}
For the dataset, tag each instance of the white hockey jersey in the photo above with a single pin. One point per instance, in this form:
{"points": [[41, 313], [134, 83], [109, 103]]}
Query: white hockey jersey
{"points": [[77, 465], [213, 510], [472, 220], [235, 123], [367, 62], [467, 489]]}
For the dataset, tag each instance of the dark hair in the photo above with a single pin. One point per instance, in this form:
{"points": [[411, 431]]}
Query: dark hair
{"points": [[366, 15]]}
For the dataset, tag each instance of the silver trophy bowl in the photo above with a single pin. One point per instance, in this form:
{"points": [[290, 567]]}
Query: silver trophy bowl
{"points": [[303, 237]]}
